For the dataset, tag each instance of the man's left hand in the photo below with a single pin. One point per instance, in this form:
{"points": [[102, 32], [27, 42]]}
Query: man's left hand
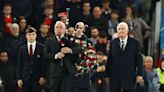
{"points": [[66, 50]]}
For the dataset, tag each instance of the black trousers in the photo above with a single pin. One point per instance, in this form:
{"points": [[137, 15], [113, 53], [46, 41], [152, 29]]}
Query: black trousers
{"points": [[60, 84], [31, 87], [75, 89], [121, 90]]}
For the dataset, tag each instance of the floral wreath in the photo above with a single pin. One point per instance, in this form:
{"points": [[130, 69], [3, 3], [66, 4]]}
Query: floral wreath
{"points": [[89, 61]]}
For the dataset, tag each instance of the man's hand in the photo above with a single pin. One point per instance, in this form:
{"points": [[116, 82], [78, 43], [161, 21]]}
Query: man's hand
{"points": [[42, 81], [140, 80], [66, 50], [59, 55], [20, 83], [100, 69]]}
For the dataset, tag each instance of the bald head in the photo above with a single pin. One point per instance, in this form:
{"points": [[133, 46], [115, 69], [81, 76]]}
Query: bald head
{"points": [[59, 28]]}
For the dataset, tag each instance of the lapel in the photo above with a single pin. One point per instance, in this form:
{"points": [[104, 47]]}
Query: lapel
{"points": [[118, 44], [127, 45], [26, 51], [36, 50], [56, 43]]}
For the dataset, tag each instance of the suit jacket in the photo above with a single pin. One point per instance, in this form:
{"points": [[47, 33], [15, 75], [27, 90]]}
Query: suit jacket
{"points": [[123, 66], [34, 67], [52, 47]]}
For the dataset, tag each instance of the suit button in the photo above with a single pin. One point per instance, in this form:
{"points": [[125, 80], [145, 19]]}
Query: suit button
{"points": [[31, 72]]}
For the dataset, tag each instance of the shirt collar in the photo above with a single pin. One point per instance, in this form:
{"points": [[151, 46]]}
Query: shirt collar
{"points": [[33, 44], [125, 40]]}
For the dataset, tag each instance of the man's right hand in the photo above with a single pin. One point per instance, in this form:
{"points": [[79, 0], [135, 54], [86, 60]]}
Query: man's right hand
{"points": [[20, 83], [59, 55]]}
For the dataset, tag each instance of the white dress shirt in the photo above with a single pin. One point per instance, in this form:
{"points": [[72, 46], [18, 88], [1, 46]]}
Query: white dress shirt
{"points": [[125, 42], [33, 46]]}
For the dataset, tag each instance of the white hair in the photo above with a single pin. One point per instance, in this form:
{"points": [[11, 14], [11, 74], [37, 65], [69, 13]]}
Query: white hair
{"points": [[123, 24], [148, 58]]}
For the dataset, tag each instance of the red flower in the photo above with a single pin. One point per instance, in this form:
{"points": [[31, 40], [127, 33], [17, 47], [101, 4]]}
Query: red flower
{"points": [[90, 64], [84, 64]]}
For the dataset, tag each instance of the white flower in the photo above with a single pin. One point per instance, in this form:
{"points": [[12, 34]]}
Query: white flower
{"points": [[71, 39], [62, 44], [85, 52], [84, 45], [77, 41]]}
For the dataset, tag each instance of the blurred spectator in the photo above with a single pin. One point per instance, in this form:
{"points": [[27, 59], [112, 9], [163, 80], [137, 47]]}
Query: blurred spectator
{"points": [[98, 20], [106, 9], [22, 28], [70, 33], [160, 71], [21, 8], [94, 35], [102, 44], [4, 74], [113, 22], [43, 34], [85, 15], [98, 81], [49, 17], [75, 9], [138, 26], [12, 43], [7, 18], [151, 75]]}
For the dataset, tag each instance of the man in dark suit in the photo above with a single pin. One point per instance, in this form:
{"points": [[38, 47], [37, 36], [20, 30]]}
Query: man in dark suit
{"points": [[59, 51], [124, 65], [31, 65]]}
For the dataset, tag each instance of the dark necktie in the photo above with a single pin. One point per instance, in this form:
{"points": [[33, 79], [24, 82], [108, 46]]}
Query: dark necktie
{"points": [[122, 45], [31, 51]]}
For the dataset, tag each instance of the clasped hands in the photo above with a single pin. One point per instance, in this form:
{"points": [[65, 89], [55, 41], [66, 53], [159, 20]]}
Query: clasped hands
{"points": [[62, 53]]}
